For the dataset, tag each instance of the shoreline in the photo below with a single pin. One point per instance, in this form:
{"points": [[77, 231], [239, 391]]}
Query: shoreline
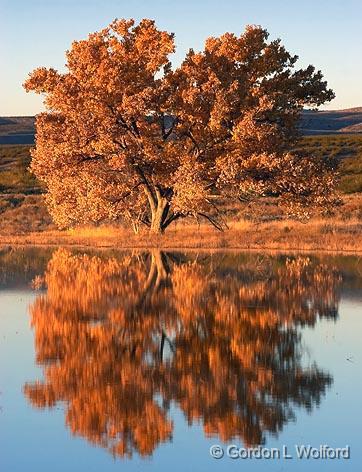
{"points": [[321, 236], [266, 249]]}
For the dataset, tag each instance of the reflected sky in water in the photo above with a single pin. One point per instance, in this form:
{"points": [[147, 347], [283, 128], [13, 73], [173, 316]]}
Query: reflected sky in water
{"points": [[144, 360]]}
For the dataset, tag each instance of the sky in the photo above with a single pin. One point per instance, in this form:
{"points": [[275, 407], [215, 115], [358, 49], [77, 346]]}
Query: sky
{"points": [[325, 33]]}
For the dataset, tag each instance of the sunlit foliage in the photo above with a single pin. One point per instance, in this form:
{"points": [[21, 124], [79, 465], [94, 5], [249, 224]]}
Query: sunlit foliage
{"points": [[126, 136]]}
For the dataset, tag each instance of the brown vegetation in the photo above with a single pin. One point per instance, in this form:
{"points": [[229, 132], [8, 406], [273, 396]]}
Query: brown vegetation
{"points": [[23, 214], [346, 150], [317, 235]]}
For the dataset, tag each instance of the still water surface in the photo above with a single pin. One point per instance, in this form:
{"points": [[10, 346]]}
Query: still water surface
{"points": [[142, 361]]}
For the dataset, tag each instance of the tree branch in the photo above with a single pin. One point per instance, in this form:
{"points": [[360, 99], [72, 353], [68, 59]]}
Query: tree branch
{"points": [[96, 157], [166, 134], [148, 188], [128, 193], [171, 218], [212, 221]]}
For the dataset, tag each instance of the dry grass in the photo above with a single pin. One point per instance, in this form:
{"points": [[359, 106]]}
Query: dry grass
{"points": [[22, 214], [316, 235]]}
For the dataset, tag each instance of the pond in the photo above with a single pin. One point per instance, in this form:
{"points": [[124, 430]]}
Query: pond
{"points": [[151, 361]]}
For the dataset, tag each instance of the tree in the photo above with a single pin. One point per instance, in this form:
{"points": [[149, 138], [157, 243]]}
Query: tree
{"points": [[125, 136]]}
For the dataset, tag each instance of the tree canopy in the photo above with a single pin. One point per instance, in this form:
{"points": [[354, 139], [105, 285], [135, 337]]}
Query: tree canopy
{"points": [[127, 136]]}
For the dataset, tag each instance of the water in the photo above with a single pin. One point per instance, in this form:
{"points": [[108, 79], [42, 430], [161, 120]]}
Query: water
{"points": [[143, 361]]}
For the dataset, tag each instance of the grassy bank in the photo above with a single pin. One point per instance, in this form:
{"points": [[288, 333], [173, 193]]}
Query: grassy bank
{"points": [[316, 235]]}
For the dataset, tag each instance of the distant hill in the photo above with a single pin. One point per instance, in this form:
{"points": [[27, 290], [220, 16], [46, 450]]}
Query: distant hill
{"points": [[17, 130], [21, 129], [332, 122]]}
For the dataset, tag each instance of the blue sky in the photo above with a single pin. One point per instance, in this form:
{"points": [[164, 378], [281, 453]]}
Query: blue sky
{"points": [[325, 33]]}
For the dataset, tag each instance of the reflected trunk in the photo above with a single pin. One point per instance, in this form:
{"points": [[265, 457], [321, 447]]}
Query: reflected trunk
{"points": [[159, 270]]}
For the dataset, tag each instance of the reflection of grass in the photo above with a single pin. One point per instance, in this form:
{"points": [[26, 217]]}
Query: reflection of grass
{"points": [[18, 267]]}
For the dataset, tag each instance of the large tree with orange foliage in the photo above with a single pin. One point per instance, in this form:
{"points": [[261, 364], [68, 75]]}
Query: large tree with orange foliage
{"points": [[126, 136]]}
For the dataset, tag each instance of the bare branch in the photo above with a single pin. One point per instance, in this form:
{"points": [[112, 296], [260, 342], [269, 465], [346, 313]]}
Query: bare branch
{"points": [[212, 221], [96, 157], [171, 218]]}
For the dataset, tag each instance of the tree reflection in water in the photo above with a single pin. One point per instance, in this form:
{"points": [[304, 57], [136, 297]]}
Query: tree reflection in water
{"points": [[121, 338]]}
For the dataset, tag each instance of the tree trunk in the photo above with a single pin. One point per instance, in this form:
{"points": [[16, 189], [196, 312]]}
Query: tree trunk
{"points": [[159, 214]]}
